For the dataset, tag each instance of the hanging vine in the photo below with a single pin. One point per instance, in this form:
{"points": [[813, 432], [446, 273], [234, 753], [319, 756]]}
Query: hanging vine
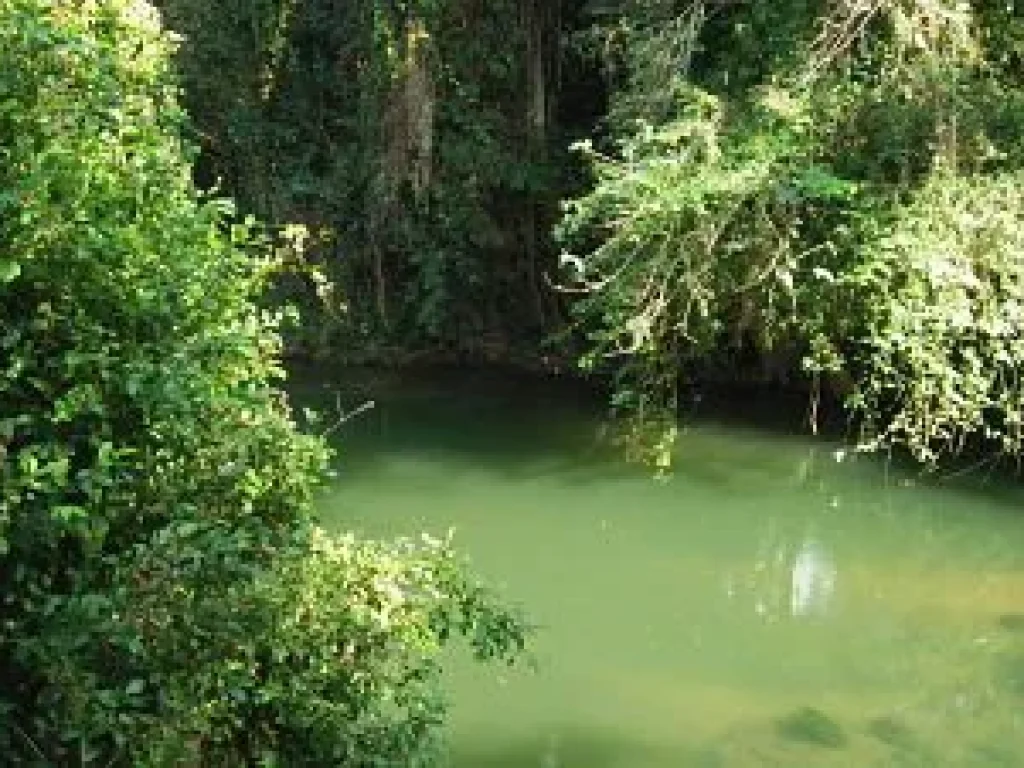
{"points": [[799, 208]]}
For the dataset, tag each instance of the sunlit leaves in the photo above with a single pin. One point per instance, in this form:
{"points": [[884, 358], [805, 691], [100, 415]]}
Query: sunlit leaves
{"points": [[154, 492], [850, 196], [945, 329]]}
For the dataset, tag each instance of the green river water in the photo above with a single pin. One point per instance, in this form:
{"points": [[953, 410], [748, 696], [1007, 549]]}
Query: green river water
{"points": [[769, 605]]}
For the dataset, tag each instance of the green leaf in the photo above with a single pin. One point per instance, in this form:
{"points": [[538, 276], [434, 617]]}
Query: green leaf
{"points": [[9, 270], [69, 512]]}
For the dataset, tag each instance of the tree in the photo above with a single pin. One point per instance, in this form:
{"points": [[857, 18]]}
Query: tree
{"points": [[421, 136], [166, 595]]}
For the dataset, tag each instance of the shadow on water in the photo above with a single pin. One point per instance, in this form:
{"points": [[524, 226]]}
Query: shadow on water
{"points": [[526, 427], [514, 426], [1011, 622], [808, 725], [518, 427], [1010, 672]]}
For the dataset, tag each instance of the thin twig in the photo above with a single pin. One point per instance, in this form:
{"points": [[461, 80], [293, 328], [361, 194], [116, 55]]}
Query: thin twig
{"points": [[344, 418], [32, 744]]}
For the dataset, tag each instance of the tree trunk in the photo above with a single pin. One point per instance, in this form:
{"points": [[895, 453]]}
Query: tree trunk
{"points": [[409, 117], [408, 151], [540, 21]]}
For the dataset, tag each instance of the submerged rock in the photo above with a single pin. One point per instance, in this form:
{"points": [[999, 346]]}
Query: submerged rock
{"points": [[1012, 622], [812, 726], [892, 731], [1011, 673]]}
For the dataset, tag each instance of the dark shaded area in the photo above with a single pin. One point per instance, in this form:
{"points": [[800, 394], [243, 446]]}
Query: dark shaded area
{"points": [[892, 731], [455, 413], [1011, 622], [1010, 672], [560, 426], [305, 112], [812, 726]]}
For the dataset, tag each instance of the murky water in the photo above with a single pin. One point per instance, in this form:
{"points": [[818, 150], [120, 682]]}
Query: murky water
{"points": [[767, 606]]}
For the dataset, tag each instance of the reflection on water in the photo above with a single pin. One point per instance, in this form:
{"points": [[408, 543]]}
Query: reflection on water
{"points": [[814, 580], [787, 581], [769, 606]]}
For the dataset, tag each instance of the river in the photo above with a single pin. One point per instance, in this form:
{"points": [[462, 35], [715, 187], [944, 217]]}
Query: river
{"points": [[776, 602]]}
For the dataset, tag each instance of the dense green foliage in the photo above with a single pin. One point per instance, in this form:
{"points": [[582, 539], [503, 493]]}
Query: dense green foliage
{"points": [[165, 595], [828, 187], [763, 183], [407, 134], [829, 190]]}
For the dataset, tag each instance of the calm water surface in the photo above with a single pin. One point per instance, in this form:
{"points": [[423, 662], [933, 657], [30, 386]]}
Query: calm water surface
{"points": [[767, 606]]}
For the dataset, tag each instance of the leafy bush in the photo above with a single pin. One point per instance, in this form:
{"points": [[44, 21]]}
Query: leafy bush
{"points": [[328, 658], [165, 595], [941, 294], [833, 186]]}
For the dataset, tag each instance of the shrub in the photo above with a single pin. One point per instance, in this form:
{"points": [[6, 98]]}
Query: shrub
{"points": [[165, 594], [831, 188]]}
